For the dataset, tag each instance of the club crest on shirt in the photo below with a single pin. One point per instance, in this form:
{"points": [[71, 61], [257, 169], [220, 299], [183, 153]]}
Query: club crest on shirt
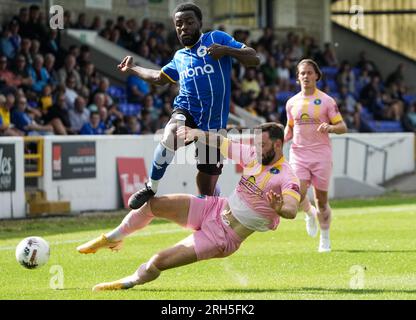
{"points": [[317, 102], [202, 51], [274, 170]]}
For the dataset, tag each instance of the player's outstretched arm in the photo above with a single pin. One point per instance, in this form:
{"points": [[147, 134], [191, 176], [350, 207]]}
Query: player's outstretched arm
{"points": [[149, 75], [246, 56], [285, 205]]}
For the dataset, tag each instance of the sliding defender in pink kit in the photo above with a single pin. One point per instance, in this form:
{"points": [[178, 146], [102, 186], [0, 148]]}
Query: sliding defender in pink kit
{"points": [[311, 116], [267, 191]]}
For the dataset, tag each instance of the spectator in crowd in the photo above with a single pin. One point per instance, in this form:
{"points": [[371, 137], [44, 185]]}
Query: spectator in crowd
{"points": [[6, 44], [96, 24], [23, 122], [329, 55], [25, 50], [363, 80], [269, 69], [79, 115], [39, 75], [396, 76], [34, 49], [346, 77], [283, 72], [409, 119], [81, 22], [69, 69], [6, 127], [70, 93], [21, 71], [133, 125], [58, 116], [250, 85], [36, 30], [103, 86], [8, 80], [136, 89], [52, 44], [365, 63], [50, 68], [370, 93], [23, 20], [27, 36], [94, 127], [67, 19], [46, 99], [88, 75]]}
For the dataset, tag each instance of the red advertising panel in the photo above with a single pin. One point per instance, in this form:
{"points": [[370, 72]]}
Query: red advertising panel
{"points": [[132, 175]]}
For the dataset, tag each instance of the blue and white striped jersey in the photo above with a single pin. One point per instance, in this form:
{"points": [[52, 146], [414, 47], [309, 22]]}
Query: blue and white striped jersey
{"points": [[205, 83]]}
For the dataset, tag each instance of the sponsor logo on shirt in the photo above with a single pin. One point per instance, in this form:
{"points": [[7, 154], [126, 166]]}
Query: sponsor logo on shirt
{"points": [[196, 71], [250, 185], [306, 119]]}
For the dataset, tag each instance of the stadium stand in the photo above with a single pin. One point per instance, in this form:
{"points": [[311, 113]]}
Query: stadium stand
{"points": [[34, 66]]}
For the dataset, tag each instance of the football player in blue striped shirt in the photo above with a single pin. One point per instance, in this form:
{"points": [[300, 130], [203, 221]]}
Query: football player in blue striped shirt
{"points": [[203, 70]]}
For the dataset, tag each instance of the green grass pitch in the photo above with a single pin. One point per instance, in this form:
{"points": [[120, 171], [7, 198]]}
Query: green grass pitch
{"points": [[373, 257]]}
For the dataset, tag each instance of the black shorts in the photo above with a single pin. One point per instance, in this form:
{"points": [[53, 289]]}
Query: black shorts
{"points": [[209, 159]]}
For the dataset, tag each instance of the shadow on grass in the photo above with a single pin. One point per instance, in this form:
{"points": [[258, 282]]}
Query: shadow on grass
{"points": [[63, 224], [375, 251], [382, 201], [303, 290]]}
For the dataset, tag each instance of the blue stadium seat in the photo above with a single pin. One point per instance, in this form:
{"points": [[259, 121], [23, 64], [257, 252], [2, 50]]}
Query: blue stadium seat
{"points": [[366, 114], [283, 96], [117, 92], [409, 98], [329, 72], [332, 84], [385, 126], [130, 109], [356, 72], [334, 95]]}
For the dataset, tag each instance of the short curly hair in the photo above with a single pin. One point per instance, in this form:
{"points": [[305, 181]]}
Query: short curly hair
{"points": [[188, 6]]}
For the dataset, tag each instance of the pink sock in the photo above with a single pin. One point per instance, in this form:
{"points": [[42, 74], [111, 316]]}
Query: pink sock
{"points": [[135, 220]]}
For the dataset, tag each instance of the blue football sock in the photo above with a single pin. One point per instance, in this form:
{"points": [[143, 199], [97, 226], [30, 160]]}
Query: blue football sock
{"points": [[161, 160]]}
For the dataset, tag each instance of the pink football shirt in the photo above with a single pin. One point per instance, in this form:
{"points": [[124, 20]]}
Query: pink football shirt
{"points": [[304, 115], [258, 179]]}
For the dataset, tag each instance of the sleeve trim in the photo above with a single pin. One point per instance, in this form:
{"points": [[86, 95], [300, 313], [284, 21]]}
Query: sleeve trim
{"points": [[167, 76], [336, 119], [292, 194]]}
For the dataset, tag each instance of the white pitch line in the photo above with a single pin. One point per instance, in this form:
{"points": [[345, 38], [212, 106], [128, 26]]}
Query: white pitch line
{"points": [[376, 210], [140, 234]]}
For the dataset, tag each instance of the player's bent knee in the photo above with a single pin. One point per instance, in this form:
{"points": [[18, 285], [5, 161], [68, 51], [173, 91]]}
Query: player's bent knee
{"points": [[170, 140]]}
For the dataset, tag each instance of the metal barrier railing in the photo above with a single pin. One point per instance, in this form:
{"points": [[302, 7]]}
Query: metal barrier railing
{"points": [[33, 147], [369, 150]]}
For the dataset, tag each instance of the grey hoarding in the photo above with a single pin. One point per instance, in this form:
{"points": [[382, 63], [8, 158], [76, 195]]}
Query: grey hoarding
{"points": [[73, 160], [7, 167]]}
